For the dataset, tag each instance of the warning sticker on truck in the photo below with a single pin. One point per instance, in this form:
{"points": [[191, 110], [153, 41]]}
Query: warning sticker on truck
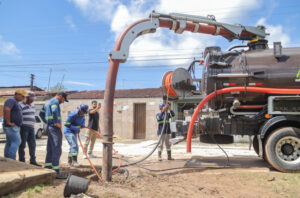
{"points": [[298, 74]]}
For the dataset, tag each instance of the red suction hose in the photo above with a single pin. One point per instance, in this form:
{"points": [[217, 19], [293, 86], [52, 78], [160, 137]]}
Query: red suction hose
{"points": [[227, 90]]}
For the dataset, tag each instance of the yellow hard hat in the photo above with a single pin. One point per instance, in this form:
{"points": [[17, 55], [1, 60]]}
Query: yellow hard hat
{"points": [[21, 92]]}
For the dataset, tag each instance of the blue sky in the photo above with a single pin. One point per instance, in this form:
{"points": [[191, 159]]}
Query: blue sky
{"points": [[74, 37]]}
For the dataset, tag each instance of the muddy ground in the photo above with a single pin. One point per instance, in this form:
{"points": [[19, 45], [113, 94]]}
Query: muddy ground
{"points": [[204, 173]]}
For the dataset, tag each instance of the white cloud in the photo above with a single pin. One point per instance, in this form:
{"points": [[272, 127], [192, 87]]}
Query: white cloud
{"points": [[276, 33], [79, 83], [70, 22], [119, 15], [225, 10], [166, 42], [97, 10], [8, 48]]}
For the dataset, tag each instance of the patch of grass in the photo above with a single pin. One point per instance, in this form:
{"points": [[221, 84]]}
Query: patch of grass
{"points": [[35, 189], [28, 193]]}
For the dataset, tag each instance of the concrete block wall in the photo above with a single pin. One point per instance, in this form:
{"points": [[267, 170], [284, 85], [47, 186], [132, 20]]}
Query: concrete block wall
{"points": [[123, 114]]}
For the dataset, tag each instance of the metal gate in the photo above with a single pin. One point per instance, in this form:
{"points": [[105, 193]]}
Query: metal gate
{"points": [[140, 121]]}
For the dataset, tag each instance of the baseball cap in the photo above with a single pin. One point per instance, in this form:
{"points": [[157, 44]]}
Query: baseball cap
{"points": [[21, 92], [64, 95], [161, 105]]}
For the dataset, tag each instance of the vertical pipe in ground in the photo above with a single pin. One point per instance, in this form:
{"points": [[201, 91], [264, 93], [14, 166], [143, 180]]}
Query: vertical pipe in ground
{"points": [[108, 119]]}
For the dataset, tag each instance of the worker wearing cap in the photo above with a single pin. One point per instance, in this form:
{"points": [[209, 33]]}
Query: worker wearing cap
{"points": [[12, 121], [53, 118], [167, 131], [27, 131], [74, 122]]}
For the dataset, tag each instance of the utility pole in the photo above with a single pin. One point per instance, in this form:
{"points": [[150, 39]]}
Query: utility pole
{"points": [[31, 81], [62, 80], [49, 79]]}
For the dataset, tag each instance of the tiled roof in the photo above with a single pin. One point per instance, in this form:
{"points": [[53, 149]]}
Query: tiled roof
{"points": [[121, 93], [37, 93], [35, 88]]}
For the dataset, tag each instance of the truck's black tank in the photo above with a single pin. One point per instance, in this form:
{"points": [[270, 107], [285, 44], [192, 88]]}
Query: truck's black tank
{"points": [[257, 68]]}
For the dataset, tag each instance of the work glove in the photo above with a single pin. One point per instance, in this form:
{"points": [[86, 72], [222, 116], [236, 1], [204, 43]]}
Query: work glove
{"points": [[74, 129]]}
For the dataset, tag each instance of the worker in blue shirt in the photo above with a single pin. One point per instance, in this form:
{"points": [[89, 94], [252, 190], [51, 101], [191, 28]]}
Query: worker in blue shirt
{"points": [[73, 124], [167, 131], [52, 117]]}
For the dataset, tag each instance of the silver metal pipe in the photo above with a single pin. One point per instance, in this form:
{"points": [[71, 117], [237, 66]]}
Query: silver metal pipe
{"points": [[195, 19], [241, 113], [230, 75]]}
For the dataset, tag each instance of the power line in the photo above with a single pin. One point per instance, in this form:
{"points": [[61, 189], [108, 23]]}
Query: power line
{"points": [[131, 57], [124, 67], [95, 62]]}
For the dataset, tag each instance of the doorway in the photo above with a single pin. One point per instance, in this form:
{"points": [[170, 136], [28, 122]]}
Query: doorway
{"points": [[140, 121]]}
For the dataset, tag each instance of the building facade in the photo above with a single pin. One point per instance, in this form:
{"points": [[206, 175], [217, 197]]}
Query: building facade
{"points": [[134, 111]]}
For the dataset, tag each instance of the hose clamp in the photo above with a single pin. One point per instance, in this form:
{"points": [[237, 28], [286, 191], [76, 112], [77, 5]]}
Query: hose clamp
{"points": [[217, 30], [174, 24], [196, 28]]}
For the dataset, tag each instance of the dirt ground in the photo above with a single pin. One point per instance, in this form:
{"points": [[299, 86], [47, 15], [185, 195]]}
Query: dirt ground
{"points": [[200, 174]]}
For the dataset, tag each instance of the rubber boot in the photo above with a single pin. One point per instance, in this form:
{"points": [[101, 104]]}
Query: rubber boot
{"points": [[59, 175], [159, 156], [74, 161], [170, 156], [35, 164], [70, 160]]}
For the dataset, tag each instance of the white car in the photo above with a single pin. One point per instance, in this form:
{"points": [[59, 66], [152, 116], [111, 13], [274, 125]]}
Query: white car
{"points": [[1, 127], [38, 126]]}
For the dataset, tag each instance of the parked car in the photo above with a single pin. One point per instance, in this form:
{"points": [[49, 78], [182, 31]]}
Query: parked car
{"points": [[1, 127], [39, 127]]}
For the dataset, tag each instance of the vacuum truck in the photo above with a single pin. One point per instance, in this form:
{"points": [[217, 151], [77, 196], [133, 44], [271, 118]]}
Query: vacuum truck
{"points": [[255, 93], [249, 89]]}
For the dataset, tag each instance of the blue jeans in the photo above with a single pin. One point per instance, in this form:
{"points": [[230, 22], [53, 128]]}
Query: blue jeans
{"points": [[72, 140], [13, 141], [27, 135]]}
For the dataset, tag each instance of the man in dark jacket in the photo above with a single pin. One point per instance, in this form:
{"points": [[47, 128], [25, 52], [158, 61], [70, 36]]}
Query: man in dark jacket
{"points": [[167, 131], [12, 121]]}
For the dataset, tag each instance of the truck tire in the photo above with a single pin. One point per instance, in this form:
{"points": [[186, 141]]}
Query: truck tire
{"points": [[282, 149], [39, 134]]}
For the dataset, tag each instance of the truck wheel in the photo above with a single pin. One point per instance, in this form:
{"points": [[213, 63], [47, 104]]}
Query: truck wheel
{"points": [[39, 134], [282, 149]]}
